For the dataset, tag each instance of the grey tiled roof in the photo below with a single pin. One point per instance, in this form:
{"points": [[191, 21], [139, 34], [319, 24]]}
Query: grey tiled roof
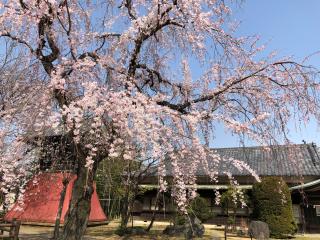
{"points": [[280, 160]]}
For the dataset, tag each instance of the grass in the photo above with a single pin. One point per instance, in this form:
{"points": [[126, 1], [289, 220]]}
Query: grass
{"points": [[156, 233], [106, 232], [307, 237]]}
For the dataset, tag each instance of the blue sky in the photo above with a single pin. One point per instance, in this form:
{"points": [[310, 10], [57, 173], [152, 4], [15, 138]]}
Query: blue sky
{"points": [[292, 27]]}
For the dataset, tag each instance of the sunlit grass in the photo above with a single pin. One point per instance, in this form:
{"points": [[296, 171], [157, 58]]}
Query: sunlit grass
{"points": [[106, 232]]}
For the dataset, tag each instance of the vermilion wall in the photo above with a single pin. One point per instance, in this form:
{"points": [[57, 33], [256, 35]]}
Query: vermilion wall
{"points": [[41, 200]]}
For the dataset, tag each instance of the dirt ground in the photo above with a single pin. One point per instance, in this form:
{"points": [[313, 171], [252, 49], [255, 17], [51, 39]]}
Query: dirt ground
{"points": [[105, 232]]}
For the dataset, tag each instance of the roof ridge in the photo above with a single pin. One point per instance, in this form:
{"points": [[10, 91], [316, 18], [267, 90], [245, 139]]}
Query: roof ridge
{"points": [[245, 147]]}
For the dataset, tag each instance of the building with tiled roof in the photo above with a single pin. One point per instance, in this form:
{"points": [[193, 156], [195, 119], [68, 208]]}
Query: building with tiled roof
{"points": [[283, 160], [297, 164]]}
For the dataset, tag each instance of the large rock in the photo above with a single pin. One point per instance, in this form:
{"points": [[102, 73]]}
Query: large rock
{"points": [[137, 230], [196, 230], [197, 226], [259, 230], [174, 230]]}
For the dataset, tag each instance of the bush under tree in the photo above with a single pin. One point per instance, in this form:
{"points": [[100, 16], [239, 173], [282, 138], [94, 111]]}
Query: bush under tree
{"points": [[190, 224], [273, 205], [200, 207]]}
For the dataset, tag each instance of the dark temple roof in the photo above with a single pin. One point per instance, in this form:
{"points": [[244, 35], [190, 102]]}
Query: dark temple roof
{"points": [[278, 160], [281, 160]]}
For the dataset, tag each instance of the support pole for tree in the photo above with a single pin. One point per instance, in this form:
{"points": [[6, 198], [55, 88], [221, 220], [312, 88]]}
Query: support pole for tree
{"points": [[65, 183], [225, 231], [154, 212]]}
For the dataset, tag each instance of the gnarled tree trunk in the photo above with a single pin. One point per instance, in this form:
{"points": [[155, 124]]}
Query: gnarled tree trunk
{"points": [[80, 205]]}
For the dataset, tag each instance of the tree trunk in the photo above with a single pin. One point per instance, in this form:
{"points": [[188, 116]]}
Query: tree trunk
{"points": [[154, 212], [125, 211], [131, 193], [225, 232], [80, 205], [58, 217]]}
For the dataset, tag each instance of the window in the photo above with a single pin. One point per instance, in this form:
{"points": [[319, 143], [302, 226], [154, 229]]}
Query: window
{"points": [[317, 210]]}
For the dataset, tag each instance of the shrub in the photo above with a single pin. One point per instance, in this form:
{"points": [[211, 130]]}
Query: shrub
{"points": [[179, 219], [272, 204], [200, 207]]}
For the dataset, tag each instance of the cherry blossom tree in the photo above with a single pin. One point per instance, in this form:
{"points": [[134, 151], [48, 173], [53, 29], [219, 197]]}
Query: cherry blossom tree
{"points": [[13, 79], [113, 75]]}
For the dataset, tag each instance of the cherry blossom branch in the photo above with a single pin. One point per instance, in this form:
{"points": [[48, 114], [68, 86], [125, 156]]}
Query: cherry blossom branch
{"points": [[19, 40], [104, 37], [225, 87], [159, 77], [67, 30], [23, 5], [143, 35], [128, 4], [44, 32]]}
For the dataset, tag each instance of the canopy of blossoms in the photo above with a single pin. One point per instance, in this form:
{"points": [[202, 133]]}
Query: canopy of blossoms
{"points": [[117, 75]]}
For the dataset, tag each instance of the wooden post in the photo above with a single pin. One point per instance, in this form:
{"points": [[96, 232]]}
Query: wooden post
{"points": [[14, 229], [303, 219], [154, 212], [225, 231], [11, 232], [56, 232]]}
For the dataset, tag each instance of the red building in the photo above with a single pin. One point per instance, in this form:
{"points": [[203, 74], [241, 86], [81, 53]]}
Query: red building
{"points": [[40, 202]]}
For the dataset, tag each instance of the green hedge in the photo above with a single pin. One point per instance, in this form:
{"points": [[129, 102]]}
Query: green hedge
{"points": [[272, 204]]}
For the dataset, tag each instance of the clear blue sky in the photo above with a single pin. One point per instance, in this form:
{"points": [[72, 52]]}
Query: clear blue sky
{"points": [[292, 27]]}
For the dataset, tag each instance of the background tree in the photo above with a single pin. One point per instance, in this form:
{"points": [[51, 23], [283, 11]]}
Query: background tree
{"points": [[272, 204], [117, 73], [110, 186], [231, 200], [118, 180], [17, 162]]}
